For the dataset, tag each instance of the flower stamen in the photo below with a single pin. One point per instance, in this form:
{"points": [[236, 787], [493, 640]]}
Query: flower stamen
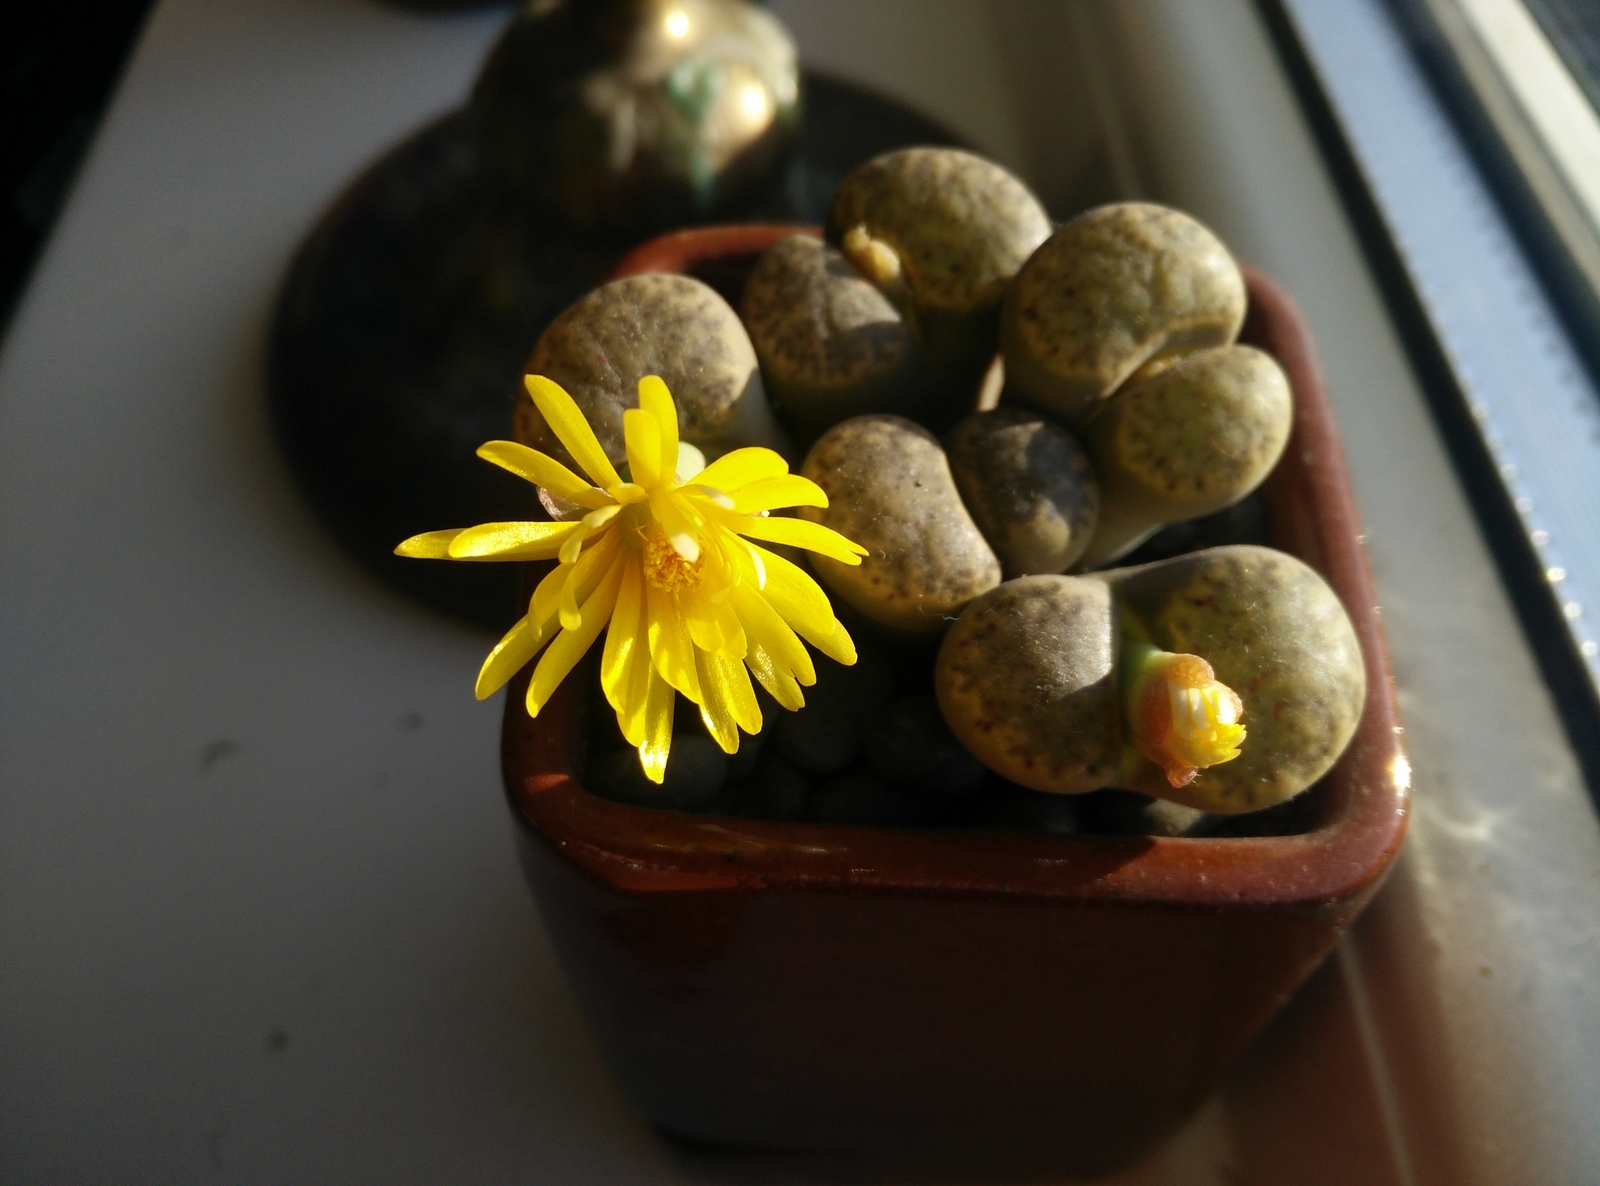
{"points": [[665, 567]]}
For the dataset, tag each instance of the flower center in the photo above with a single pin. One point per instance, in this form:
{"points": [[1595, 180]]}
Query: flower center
{"points": [[1205, 713], [664, 567]]}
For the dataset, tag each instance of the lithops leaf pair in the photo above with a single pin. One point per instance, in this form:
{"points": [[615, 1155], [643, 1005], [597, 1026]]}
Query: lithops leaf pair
{"points": [[1194, 439], [1028, 485], [831, 344], [630, 115], [1122, 324], [1226, 680], [1119, 289], [1006, 493], [662, 324], [890, 490], [935, 235], [947, 228]]}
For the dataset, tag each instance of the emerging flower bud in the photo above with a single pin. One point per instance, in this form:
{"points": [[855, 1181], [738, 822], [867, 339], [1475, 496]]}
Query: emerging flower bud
{"points": [[874, 258], [881, 266], [1179, 715]]}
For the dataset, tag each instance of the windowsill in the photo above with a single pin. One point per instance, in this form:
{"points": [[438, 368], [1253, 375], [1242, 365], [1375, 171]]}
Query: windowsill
{"points": [[350, 884]]}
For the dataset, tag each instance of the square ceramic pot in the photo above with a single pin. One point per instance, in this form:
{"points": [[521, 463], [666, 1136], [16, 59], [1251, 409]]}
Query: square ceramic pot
{"points": [[1003, 997]]}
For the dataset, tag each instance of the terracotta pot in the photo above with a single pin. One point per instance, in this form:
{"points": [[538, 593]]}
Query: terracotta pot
{"points": [[1007, 999]]}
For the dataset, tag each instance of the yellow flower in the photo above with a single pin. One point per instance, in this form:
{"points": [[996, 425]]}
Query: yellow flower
{"points": [[1180, 715], [666, 560]]}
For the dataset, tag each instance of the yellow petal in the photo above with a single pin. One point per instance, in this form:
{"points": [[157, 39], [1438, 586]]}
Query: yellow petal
{"points": [[643, 439], [770, 494], [671, 649], [780, 685], [712, 623], [740, 467], [802, 533], [657, 741], [625, 641], [561, 413], [570, 645], [729, 696], [764, 628], [632, 712], [838, 646], [628, 493], [749, 560], [534, 466], [655, 399], [521, 643], [711, 495], [591, 566], [798, 600], [571, 548], [592, 523], [567, 607], [547, 594], [741, 695], [596, 562], [430, 545], [714, 710], [511, 541]]}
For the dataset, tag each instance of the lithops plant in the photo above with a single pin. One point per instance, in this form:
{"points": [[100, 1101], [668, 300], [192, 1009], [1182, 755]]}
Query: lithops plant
{"points": [[1192, 440], [1026, 679], [1226, 680], [831, 345], [1118, 290], [1029, 487], [660, 324], [890, 490], [941, 232], [632, 115]]}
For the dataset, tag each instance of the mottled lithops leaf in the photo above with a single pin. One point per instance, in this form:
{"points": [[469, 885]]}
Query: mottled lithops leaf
{"points": [[1027, 680], [941, 232], [1194, 439], [1029, 487], [1118, 288], [890, 490], [672, 326], [831, 344]]}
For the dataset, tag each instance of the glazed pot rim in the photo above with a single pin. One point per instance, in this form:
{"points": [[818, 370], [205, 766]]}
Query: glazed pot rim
{"points": [[1366, 795]]}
